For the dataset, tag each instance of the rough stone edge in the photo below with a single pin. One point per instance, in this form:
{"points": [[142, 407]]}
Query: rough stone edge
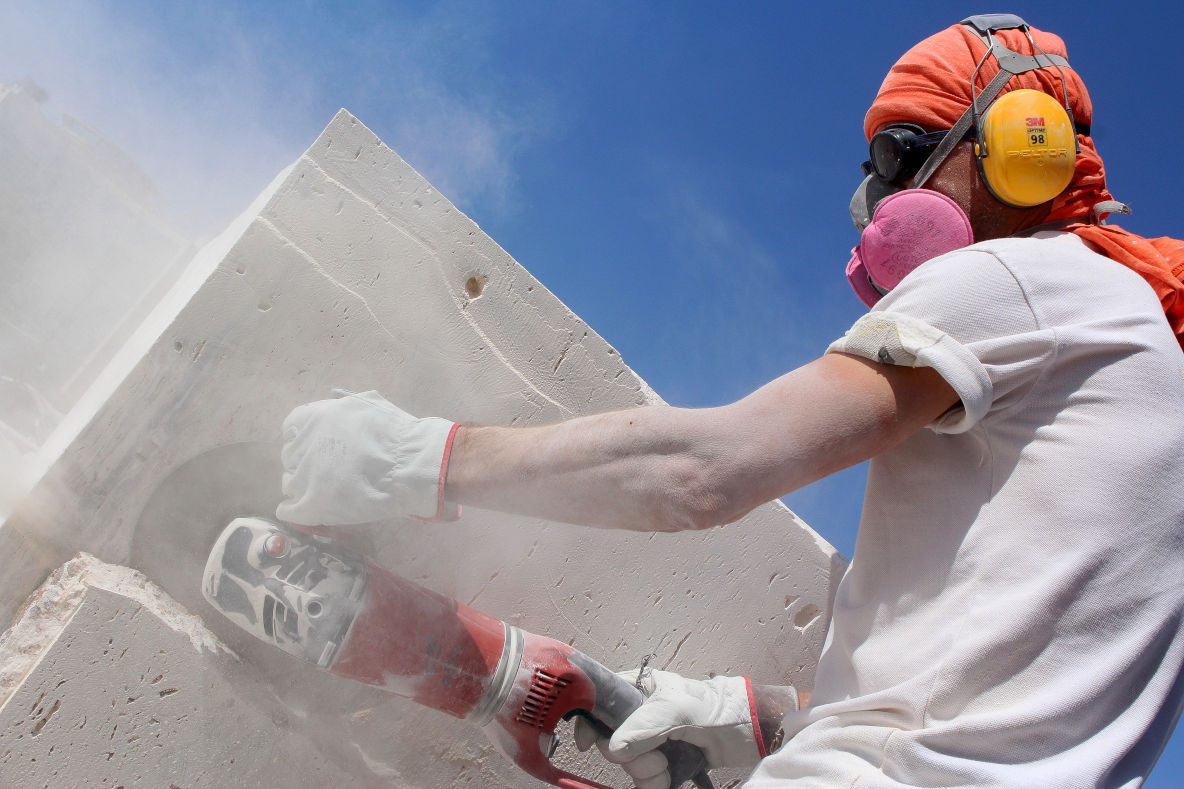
{"points": [[47, 613]]}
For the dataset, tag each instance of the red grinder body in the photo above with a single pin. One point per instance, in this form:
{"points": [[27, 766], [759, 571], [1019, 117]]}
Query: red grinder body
{"points": [[313, 598]]}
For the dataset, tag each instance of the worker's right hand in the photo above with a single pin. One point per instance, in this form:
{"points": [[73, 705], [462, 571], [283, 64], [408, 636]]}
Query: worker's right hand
{"points": [[358, 458], [717, 715]]}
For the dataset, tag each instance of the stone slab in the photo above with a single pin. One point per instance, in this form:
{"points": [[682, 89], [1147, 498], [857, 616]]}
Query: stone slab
{"points": [[122, 687], [352, 271]]}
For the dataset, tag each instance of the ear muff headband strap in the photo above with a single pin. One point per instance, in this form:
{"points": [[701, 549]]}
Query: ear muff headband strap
{"points": [[1010, 64]]}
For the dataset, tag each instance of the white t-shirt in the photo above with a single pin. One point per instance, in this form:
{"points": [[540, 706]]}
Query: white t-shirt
{"points": [[1012, 615]]}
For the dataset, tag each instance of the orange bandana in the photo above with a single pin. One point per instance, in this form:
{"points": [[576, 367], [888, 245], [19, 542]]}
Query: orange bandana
{"points": [[930, 86]]}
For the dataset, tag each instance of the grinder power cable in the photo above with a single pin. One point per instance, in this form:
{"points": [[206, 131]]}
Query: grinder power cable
{"points": [[317, 600]]}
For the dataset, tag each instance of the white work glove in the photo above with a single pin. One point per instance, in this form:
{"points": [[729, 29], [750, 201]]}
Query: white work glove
{"points": [[358, 458], [716, 714]]}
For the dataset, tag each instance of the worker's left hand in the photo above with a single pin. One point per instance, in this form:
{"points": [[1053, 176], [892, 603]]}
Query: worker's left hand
{"points": [[715, 714], [358, 458]]}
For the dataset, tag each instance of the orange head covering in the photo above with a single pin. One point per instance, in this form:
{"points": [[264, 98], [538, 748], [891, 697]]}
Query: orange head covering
{"points": [[930, 86]]}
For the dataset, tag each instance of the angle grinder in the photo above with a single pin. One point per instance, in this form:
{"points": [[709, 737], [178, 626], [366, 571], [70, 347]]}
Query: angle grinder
{"points": [[316, 599]]}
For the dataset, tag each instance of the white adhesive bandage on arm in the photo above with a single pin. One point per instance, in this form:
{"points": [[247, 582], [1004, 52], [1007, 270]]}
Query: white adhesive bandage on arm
{"points": [[358, 458], [894, 338]]}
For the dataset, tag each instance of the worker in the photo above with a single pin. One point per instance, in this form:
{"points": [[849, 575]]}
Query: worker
{"points": [[1012, 613]]}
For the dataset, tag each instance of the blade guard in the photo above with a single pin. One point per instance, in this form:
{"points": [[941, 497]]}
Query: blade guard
{"points": [[316, 599]]}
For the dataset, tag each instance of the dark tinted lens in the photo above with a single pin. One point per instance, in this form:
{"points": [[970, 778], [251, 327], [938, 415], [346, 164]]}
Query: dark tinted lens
{"points": [[898, 152], [888, 152]]}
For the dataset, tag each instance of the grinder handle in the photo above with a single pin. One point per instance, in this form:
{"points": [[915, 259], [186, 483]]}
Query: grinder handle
{"points": [[616, 700]]}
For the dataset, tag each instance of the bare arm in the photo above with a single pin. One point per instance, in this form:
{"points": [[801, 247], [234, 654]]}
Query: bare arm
{"points": [[667, 469], [773, 703]]}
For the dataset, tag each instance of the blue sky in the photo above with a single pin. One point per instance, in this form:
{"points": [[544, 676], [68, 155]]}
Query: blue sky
{"points": [[677, 173]]}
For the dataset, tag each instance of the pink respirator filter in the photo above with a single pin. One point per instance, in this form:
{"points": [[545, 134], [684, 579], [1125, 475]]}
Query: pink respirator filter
{"points": [[907, 228]]}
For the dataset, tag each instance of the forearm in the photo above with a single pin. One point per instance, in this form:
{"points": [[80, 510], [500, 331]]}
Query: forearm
{"points": [[660, 468], [773, 703], [645, 468]]}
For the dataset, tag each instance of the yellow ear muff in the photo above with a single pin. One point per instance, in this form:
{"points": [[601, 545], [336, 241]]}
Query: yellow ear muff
{"points": [[1027, 148]]}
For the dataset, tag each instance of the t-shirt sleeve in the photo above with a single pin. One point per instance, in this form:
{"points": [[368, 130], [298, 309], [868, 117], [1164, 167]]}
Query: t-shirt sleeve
{"points": [[966, 316]]}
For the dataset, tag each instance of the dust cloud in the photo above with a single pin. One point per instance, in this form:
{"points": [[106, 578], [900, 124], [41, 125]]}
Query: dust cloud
{"points": [[83, 256], [112, 174]]}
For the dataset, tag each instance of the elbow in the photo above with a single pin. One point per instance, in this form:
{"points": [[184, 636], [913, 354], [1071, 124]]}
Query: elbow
{"points": [[696, 496]]}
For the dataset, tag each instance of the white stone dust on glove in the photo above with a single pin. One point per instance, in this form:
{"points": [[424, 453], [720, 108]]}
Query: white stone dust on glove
{"points": [[358, 458], [718, 715]]}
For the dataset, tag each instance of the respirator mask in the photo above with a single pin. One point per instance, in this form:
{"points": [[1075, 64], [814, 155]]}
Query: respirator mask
{"points": [[895, 154], [900, 228], [907, 228]]}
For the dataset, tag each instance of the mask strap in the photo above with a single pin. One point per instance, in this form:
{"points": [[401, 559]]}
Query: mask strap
{"points": [[1094, 218], [960, 128], [1056, 224]]}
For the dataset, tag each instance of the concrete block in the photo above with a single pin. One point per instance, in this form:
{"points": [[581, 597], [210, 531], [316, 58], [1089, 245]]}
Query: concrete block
{"points": [[108, 682], [352, 271]]}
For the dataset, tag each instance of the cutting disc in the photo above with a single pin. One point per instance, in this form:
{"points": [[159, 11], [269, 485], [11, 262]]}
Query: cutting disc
{"points": [[173, 538]]}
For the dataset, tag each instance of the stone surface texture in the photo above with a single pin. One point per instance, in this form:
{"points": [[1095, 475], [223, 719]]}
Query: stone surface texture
{"points": [[97, 708], [352, 271]]}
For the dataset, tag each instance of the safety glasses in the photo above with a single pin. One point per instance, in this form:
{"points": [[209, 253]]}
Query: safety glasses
{"points": [[899, 151]]}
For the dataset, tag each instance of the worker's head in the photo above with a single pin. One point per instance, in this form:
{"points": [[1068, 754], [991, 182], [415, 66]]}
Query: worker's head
{"points": [[1020, 153]]}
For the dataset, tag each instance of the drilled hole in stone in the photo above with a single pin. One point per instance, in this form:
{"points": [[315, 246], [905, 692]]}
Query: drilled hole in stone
{"points": [[475, 286], [806, 616]]}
